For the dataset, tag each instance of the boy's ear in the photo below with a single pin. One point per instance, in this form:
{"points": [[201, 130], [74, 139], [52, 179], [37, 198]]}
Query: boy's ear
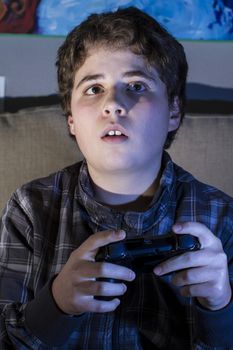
{"points": [[175, 114], [70, 121]]}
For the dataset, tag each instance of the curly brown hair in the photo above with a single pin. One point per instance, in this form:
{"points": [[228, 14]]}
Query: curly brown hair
{"points": [[125, 28]]}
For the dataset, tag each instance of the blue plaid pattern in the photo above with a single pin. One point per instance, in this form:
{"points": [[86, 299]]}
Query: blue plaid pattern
{"points": [[45, 220]]}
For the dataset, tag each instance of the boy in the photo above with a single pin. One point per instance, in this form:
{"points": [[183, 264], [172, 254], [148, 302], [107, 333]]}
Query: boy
{"points": [[122, 85]]}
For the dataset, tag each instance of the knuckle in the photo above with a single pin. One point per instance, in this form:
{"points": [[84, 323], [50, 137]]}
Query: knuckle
{"points": [[74, 278], [188, 258], [217, 289], [218, 242], [107, 235], [100, 288], [107, 306], [101, 269], [101, 307], [219, 260], [74, 304], [188, 276], [223, 258], [73, 255]]}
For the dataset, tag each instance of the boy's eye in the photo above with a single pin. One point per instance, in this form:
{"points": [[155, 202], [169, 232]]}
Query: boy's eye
{"points": [[136, 87], [94, 90]]}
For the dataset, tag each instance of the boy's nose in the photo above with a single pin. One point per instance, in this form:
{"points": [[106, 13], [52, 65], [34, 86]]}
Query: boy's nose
{"points": [[114, 111], [114, 107]]}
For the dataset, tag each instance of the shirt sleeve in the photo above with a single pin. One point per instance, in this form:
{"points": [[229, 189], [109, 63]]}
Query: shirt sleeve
{"points": [[214, 328], [28, 320]]}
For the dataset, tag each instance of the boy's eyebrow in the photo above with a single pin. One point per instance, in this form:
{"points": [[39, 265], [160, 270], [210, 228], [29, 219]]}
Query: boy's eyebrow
{"points": [[89, 78], [132, 73], [138, 73]]}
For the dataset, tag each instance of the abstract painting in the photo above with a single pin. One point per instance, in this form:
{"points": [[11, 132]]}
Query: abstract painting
{"points": [[185, 19]]}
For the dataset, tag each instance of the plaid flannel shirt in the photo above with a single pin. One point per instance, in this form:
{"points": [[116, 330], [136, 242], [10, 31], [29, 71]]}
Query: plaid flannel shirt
{"points": [[47, 219]]}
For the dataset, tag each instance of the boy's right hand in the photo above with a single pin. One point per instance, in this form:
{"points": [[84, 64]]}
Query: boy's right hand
{"points": [[75, 286]]}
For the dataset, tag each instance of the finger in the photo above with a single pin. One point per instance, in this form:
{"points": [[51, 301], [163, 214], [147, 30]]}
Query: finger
{"points": [[202, 290], [208, 294], [89, 247], [97, 288], [89, 304], [91, 270], [105, 306], [108, 270], [193, 276], [199, 230], [188, 260]]}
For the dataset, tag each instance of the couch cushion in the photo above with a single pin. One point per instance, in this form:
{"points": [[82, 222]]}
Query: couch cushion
{"points": [[36, 142], [33, 143], [204, 146]]}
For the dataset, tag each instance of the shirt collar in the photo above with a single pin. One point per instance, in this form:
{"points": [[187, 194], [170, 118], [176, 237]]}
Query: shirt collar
{"points": [[135, 223]]}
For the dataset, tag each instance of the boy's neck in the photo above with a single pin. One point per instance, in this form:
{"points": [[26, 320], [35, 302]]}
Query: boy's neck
{"points": [[131, 195]]}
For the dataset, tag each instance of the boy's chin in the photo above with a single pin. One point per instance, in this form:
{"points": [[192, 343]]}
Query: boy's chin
{"points": [[114, 165], [117, 167]]}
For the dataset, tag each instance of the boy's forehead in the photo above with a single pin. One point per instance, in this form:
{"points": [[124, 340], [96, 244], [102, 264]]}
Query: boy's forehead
{"points": [[102, 59]]}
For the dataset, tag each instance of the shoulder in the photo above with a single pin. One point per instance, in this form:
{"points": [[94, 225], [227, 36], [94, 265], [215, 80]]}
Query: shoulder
{"points": [[198, 201], [59, 179], [47, 191], [39, 208], [200, 190]]}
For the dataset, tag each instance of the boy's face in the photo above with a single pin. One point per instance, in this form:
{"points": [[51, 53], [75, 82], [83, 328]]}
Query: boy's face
{"points": [[120, 112]]}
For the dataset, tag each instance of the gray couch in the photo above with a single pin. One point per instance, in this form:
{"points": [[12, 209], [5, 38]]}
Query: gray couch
{"points": [[35, 142]]}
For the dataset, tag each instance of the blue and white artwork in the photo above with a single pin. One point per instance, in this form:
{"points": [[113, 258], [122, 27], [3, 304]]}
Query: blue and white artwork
{"points": [[185, 19]]}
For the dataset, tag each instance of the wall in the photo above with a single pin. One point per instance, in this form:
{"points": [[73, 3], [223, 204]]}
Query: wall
{"points": [[28, 63]]}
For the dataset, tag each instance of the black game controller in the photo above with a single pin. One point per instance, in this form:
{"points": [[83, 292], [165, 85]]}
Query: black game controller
{"points": [[142, 254]]}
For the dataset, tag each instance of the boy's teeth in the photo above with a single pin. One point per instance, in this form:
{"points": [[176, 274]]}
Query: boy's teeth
{"points": [[114, 133]]}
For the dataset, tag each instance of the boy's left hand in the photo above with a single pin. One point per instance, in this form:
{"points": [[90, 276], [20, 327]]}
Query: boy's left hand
{"points": [[203, 273]]}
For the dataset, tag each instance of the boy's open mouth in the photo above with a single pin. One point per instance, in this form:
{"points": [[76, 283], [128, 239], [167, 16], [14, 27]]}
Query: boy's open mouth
{"points": [[114, 134]]}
